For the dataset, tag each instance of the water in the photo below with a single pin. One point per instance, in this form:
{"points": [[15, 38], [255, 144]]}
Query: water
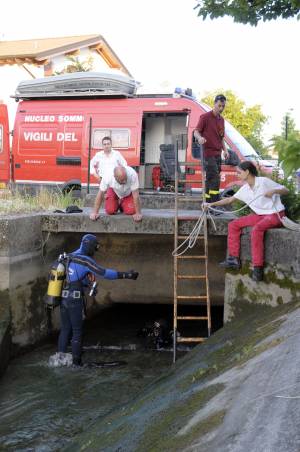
{"points": [[42, 408]]}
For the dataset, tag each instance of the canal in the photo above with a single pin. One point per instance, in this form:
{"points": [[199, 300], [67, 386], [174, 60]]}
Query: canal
{"points": [[43, 408]]}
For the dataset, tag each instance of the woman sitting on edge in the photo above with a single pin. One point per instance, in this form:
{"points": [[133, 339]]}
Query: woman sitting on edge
{"points": [[257, 192]]}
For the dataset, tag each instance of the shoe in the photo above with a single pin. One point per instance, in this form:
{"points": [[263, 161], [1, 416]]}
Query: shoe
{"points": [[258, 274], [77, 362], [231, 262]]}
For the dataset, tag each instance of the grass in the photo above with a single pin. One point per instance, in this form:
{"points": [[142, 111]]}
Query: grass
{"points": [[12, 202]]}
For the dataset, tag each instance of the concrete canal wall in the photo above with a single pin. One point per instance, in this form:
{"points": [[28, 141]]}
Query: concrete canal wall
{"points": [[29, 243], [281, 282]]}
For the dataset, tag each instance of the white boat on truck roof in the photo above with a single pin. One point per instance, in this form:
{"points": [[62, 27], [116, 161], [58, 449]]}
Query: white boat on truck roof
{"points": [[77, 83]]}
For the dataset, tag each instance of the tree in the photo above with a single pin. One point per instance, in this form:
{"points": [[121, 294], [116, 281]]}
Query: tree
{"points": [[249, 11], [287, 144], [288, 125], [77, 66], [249, 121]]}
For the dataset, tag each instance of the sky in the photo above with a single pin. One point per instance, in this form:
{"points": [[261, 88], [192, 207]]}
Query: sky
{"points": [[164, 44]]}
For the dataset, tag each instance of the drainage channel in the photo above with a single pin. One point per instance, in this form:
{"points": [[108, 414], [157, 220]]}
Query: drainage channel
{"points": [[42, 408]]}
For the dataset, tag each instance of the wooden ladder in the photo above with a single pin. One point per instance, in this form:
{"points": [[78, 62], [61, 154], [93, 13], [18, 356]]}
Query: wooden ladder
{"points": [[202, 296]]}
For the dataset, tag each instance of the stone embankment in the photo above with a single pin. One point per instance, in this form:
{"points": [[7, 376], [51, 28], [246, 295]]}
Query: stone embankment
{"points": [[239, 391]]}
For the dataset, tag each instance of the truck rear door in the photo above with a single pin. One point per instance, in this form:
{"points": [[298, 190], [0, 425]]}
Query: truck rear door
{"points": [[4, 147]]}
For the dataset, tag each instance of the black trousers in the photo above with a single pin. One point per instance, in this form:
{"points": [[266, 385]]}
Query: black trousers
{"points": [[212, 166], [71, 320]]}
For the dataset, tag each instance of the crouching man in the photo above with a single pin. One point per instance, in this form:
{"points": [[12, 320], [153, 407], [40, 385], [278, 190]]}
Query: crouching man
{"points": [[122, 193]]}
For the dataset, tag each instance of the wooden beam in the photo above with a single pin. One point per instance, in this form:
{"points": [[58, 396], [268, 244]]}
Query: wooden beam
{"points": [[28, 71], [109, 59], [96, 47], [73, 53]]}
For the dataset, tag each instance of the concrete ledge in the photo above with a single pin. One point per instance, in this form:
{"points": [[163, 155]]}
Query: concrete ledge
{"points": [[158, 200], [155, 221], [282, 248]]}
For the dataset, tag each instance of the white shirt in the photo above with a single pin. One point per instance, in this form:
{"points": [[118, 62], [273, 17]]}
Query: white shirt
{"points": [[262, 205], [121, 190], [103, 163]]}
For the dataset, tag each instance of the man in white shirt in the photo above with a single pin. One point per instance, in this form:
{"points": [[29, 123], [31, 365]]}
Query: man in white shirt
{"points": [[105, 161], [122, 192]]}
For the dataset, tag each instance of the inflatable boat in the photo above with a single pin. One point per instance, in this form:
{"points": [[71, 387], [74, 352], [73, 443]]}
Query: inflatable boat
{"points": [[77, 83]]}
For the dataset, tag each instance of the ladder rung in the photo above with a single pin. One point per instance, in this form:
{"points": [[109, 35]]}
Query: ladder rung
{"points": [[191, 317], [191, 276], [191, 297], [191, 257], [189, 163], [191, 339], [190, 199], [194, 181], [182, 237]]}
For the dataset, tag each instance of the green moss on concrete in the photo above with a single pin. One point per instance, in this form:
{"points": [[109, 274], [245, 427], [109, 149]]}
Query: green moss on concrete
{"points": [[153, 420], [162, 433], [240, 347]]}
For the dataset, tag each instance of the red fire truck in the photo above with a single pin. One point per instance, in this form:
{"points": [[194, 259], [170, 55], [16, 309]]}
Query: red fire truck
{"points": [[56, 133]]}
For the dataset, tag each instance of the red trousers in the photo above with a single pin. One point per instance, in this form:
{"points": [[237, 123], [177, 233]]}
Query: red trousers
{"points": [[260, 223], [113, 203]]}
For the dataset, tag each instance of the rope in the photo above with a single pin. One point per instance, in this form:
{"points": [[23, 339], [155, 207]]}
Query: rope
{"points": [[191, 240]]}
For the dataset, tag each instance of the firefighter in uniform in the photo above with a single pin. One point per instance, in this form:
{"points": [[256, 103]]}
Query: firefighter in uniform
{"points": [[210, 133], [80, 269]]}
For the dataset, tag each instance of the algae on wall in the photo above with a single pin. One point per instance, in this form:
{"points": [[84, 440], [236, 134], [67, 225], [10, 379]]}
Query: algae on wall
{"points": [[278, 287], [188, 406]]}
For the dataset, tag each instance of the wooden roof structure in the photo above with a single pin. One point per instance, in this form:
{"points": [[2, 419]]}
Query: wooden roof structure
{"points": [[39, 52]]}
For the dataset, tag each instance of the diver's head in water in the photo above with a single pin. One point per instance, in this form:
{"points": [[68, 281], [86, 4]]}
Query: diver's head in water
{"points": [[89, 244]]}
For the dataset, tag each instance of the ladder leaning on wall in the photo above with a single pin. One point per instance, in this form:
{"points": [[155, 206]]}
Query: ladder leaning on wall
{"points": [[181, 278]]}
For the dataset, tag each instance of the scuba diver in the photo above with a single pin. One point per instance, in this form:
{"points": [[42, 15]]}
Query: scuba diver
{"points": [[80, 270]]}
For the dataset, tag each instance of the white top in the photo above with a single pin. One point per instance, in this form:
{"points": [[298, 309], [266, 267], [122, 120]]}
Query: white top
{"points": [[262, 205], [121, 190], [103, 163]]}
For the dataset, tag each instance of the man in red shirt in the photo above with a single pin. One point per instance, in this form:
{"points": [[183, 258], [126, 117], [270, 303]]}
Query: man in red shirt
{"points": [[210, 133]]}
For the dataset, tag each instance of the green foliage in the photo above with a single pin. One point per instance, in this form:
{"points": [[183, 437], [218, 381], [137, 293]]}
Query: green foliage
{"points": [[248, 11], [291, 201], [249, 121], [287, 145], [77, 66], [21, 202], [288, 125]]}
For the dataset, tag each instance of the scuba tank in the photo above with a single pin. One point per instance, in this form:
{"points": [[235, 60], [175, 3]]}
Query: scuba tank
{"points": [[56, 278]]}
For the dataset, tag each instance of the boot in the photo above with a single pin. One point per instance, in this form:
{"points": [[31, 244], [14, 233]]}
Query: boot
{"points": [[258, 274], [231, 262], [77, 361]]}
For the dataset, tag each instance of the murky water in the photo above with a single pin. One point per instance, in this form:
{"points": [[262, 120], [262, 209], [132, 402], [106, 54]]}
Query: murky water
{"points": [[43, 408]]}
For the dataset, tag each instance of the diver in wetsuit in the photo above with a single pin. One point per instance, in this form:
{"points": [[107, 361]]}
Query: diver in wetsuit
{"points": [[80, 265]]}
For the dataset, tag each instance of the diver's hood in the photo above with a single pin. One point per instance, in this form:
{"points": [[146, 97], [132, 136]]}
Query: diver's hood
{"points": [[89, 244]]}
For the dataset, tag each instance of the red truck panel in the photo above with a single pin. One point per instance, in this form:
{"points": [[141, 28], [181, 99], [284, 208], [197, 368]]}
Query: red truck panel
{"points": [[4, 147]]}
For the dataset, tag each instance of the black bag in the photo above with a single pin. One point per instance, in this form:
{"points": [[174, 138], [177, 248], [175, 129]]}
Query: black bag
{"points": [[70, 209]]}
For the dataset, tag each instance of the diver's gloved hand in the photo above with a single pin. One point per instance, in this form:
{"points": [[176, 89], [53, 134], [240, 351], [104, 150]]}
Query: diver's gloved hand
{"points": [[128, 275]]}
